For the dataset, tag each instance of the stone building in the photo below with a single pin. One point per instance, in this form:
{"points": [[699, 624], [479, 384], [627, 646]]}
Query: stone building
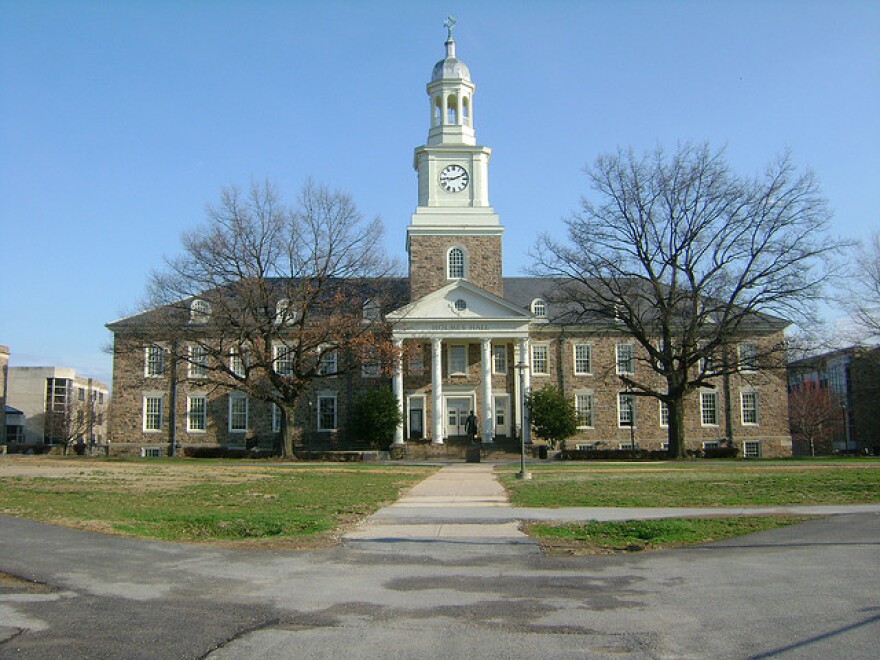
{"points": [[474, 339], [59, 406]]}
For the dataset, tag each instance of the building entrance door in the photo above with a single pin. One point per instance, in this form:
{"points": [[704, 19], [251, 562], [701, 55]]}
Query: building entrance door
{"points": [[502, 415], [457, 410]]}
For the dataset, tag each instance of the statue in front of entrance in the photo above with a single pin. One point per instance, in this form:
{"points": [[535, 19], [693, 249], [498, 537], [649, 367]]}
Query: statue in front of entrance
{"points": [[470, 426]]}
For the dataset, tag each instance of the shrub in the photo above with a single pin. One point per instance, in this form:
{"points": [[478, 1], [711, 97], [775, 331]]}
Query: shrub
{"points": [[374, 417], [553, 416]]}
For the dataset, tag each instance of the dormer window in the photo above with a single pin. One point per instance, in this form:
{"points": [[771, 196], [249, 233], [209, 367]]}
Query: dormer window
{"points": [[371, 311], [285, 313], [455, 264], [539, 308], [199, 311]]}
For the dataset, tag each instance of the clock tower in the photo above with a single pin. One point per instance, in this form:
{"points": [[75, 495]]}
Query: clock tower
{"points": [[454, 233]]}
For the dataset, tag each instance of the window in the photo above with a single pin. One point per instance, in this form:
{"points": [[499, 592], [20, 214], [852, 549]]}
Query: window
{"points": [[664, 413], [583, 359], [708, 363], [583, 406], [327, 364], [238, 413], [199, 311], [627, 445], [283, 360], [370, 368], [625, 359], [152, 413], [198, 361], [415, 365], [455, 264], [499, 359], [151, 452], [709, 408], [458, 360], [276, 418], [80, 394], [711, 444], [540, 360], [57, 392], [752, 449], [154, 362], [196, 413], [327, 412], [747, 354], [749, 406], [285, 313], [460, 305], [539, 308], [626, 409], [451, 110], [236, 363], [371, 311], [100, 397]]}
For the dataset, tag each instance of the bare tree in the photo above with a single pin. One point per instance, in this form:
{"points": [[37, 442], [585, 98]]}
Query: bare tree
{"points": [[815, 415], [71, 421], [863, 292], [269, 299], [688, 258]]}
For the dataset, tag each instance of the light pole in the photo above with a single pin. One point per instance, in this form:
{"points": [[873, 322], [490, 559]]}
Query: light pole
{"points": [[522, 474]]}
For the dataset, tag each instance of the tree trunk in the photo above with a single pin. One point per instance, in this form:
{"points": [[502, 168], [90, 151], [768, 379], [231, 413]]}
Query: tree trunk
{"points": [[676, 428], [287, 432]]}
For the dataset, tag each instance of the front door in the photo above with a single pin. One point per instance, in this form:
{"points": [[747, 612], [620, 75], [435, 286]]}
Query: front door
{"points": [[502, 415], [457, 410]]}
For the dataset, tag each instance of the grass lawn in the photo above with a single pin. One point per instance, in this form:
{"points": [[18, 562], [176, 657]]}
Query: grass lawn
{"points": [[636, 535], [189, 500], [696, 483]]}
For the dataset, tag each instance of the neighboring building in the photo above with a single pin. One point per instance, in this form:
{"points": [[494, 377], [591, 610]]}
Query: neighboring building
{"points": [[852, 375], [14, 426], [466, 329], [59, 406], [4, 366]]}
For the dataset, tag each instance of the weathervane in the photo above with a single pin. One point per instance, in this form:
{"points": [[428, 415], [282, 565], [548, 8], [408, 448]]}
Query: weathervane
{"points": [[449, 23]]}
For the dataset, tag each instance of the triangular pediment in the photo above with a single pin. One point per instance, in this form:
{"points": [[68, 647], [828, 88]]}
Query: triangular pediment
{"points": [[460, 301]]}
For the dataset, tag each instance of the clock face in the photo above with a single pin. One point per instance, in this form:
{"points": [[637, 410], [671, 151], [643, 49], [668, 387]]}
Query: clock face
{"points": [[454, 178]]}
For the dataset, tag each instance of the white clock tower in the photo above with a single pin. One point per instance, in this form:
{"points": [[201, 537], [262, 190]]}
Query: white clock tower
{"points": [[454, 233]]}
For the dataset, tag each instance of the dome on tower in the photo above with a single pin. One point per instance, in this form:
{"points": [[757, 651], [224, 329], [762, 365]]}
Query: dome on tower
{"points": [[450, 67]]}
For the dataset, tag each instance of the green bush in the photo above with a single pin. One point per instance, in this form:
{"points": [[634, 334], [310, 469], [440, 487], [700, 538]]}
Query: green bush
{"points": [[374, 417], [552, 415]]}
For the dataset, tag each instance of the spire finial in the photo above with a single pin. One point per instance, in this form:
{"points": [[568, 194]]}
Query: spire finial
{"points": [[449, 23]]}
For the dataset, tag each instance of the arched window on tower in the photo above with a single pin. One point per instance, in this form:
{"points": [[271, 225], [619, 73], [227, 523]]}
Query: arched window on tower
{"points": [[437, 113], [455, 262], [451, 109], [466, 110]]}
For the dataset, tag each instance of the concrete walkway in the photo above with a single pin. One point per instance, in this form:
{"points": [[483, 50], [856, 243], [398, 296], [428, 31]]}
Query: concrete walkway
{"points": [[464, 503]]}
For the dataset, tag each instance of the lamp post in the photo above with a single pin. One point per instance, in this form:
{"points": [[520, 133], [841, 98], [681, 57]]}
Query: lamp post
{"points": [[524, 427]]}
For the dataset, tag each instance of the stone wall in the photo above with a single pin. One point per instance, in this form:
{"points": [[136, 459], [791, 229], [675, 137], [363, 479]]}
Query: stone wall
{"points": [[427, 262]]}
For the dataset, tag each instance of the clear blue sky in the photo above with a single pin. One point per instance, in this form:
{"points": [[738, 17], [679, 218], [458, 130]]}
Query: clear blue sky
{"points": [[119, 121]]}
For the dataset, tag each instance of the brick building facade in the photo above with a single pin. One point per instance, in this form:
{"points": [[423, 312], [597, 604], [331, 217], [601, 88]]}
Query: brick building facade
{"points": [[473, 340]]}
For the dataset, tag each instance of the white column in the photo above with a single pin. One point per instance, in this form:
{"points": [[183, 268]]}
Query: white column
{"points": [[397, 389], [437, 389], [523, 359], [488, 403]]}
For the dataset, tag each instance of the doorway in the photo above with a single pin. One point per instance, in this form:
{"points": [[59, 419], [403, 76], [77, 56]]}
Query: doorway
{"points": [[457, 411]]}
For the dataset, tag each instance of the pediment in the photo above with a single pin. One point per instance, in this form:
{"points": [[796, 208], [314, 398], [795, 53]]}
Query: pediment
{"points": [[460, 301]]}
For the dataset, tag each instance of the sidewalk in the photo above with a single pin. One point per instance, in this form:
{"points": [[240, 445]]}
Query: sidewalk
{"points": [[466, 504]]}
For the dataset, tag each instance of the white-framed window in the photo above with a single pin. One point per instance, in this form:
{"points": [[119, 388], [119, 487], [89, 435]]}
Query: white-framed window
{"points": [[455, 269], [664, 413], [326, 418], [276, 418], [711, 444], [151, 452], [236, 363], [283, 360], [583, 406], [199, 311], [415, 365], [458, 359], [627, 445], [196, 413], [626, 409], [752, 449], [747, 356], [749, 407], [583, 359], [664, 446], [238, 412], [370, 367], [371, 310], [285, 313], [154, 360], [585, 446], [327, 364], [539, 308], [499, 359], [540, 359], [708, 363], [709, 408], [625, 359], [152, 413], [198, 361]]}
